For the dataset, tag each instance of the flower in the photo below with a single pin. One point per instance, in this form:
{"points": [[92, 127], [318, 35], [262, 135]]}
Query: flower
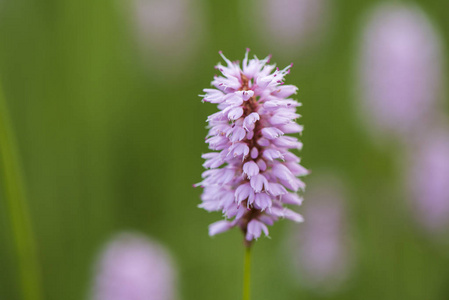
{"points": [[293, 24], [321, 251], [427, 178], [170, 29], [252, 174], [134, 268], [400, 70]]}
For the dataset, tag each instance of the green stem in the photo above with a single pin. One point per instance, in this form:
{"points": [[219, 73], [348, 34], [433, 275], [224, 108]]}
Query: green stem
{"points": [[18, 210], [247, 274]]}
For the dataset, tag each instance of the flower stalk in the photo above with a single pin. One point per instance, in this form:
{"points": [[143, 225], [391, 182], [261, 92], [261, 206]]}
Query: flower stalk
{"points": [[247, 273]]}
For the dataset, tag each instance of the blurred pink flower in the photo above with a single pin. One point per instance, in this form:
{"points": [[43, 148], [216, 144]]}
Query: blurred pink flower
{"points": [[428, 180], [293, 23], [134, 268], [400, 70], [322, 249], [167, 30]]}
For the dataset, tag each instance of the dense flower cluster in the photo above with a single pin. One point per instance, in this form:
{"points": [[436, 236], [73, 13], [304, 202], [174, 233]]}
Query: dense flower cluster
{"points": [[253, 174]]}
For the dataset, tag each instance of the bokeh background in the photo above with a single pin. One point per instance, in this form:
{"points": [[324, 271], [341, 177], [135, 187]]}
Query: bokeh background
{"points": [[103, 99]]}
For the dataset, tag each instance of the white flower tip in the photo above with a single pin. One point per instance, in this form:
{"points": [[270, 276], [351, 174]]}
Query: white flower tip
{"points": [[295, 217], [219, 227]]}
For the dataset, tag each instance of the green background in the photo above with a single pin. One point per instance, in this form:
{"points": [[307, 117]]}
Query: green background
{"points": [[110, 143]]}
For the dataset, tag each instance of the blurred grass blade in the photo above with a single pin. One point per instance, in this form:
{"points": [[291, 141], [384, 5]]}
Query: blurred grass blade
{"points": [[13, 186]]}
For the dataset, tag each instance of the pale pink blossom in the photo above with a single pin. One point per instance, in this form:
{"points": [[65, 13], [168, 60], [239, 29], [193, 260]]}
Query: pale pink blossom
{"points": [[132, 267], [293, 24], [321, 249], [400, 71], [427, 171], [252, 176], [167, 32]]}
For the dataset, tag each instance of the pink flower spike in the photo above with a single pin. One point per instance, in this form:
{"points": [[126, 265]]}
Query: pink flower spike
{"points": [[247, 177]]}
